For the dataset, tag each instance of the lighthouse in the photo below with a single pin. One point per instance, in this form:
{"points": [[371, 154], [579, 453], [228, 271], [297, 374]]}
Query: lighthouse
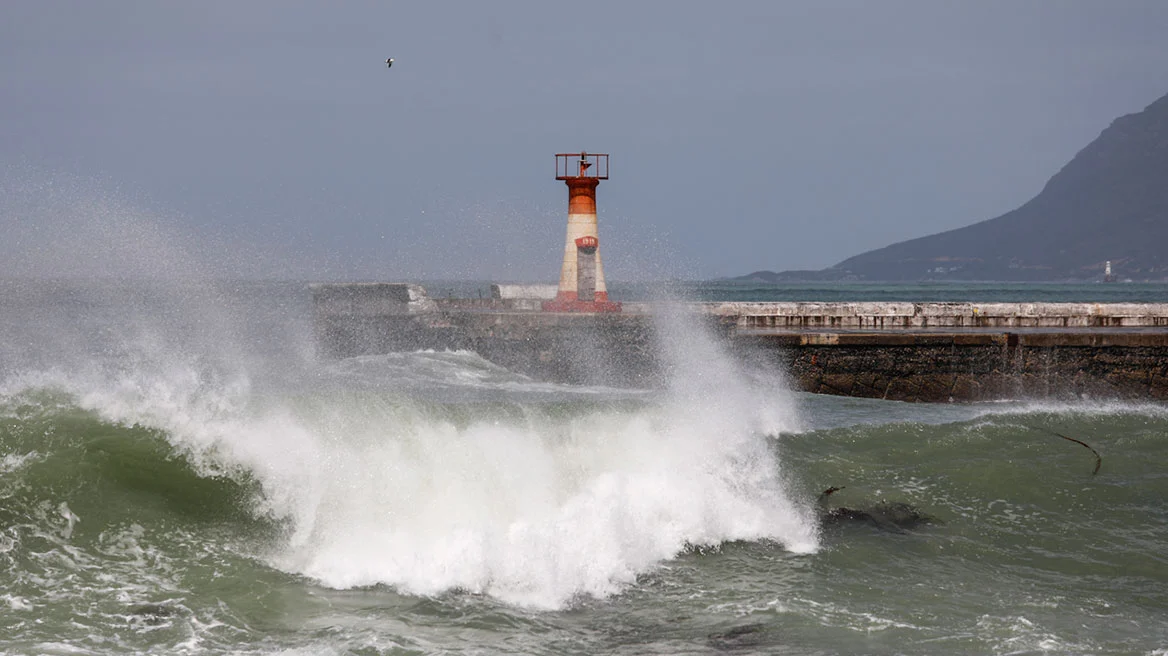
{"points": [[582, 287]]}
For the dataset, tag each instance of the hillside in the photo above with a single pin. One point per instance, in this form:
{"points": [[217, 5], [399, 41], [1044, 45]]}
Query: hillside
{"points": [[1110, 202]]}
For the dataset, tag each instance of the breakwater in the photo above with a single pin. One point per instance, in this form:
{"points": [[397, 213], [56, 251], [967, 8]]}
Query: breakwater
{"points": [[900, 351]]}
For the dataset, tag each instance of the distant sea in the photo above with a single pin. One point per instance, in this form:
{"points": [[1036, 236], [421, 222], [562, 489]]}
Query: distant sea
{"points": [[181, 474], [725, 290]]}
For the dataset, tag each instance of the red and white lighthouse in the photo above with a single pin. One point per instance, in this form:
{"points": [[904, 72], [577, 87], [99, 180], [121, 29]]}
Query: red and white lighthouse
{"points": [[582, 287]]}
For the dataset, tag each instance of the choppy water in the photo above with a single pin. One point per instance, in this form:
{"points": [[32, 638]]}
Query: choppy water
{"points": [[179, 474]]}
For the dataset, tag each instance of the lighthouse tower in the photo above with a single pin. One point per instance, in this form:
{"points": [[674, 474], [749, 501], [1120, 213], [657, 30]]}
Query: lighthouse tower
{"points": [[582, 287]]}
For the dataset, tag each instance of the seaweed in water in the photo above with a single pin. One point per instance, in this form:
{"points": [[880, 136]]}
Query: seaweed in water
{"points": [[1098, 458]]}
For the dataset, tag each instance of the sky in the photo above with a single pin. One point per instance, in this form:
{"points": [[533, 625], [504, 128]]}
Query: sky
{"points": [[268, 139]]}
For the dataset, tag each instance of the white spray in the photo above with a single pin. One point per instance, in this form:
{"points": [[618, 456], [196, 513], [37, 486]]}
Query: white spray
{"points": [[388, 488]]}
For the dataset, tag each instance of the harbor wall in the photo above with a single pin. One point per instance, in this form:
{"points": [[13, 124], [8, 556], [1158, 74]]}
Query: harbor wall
{"points": [[929, 352], [938, 367]]}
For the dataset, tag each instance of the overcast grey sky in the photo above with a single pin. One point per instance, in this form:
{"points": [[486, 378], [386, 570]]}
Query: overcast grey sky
{"points": [[743, 135]]}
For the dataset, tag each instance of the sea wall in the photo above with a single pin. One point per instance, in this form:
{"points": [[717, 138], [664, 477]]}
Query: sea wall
{"points": [[902, 351], [938, 367]]}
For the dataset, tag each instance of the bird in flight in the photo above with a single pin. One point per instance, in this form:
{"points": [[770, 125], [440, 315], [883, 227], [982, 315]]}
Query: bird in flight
{"points": [[389, 62]]}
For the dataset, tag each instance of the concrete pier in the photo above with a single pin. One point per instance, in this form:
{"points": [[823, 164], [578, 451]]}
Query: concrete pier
{"points": [[900, 351], [882, 316]]}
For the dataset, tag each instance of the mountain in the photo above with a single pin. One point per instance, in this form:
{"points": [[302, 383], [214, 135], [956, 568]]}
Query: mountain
{"points": [[1109, 203]]}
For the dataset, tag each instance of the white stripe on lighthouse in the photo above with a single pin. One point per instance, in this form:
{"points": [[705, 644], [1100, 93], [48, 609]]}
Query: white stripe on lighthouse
{"points": [[579, 225]]}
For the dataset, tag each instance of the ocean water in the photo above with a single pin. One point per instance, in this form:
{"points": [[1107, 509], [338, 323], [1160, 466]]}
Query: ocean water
{"points": [[180, 474], [934, 292]]}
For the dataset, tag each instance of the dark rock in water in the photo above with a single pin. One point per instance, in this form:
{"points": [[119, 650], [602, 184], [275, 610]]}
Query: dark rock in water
{"points": [[154, 614], [739, 637], [896, 517]]}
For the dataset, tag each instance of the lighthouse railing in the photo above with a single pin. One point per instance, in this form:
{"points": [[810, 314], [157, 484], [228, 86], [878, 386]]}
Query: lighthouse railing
{"points": [[568, 165]]}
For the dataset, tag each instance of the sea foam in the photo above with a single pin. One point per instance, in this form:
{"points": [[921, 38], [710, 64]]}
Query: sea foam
{"points": [[536, 506]]}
